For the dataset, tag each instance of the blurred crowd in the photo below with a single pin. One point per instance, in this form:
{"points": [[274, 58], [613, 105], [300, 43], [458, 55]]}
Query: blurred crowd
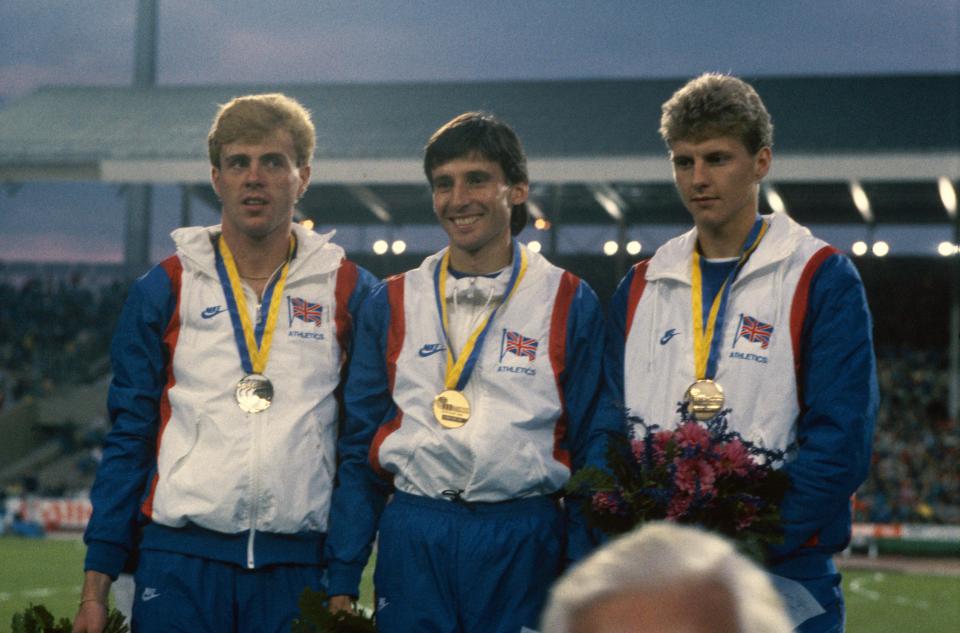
{"points": [[53, 332], [57, 331], [915, 475]]}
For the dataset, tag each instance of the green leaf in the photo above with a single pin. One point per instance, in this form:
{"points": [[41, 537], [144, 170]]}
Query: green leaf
{"points": [[37, 619]]}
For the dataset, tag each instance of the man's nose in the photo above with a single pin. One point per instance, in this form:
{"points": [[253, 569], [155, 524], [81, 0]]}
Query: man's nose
{"points": [[700, 173], [253, 176], [458, 194]]}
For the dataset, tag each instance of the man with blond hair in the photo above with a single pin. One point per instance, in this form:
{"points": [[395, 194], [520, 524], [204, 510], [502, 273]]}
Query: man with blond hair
{"points": [[753, 315], [219, 467]]}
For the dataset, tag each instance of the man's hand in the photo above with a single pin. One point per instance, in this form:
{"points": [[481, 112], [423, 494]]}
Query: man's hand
{"points": [[338, 604], [92, 615]]}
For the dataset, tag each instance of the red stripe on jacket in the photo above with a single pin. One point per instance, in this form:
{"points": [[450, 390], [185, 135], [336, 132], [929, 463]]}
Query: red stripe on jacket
{"points": [[174, 270], [798, 310], [637, 285], [558, 357], [346, 283]]}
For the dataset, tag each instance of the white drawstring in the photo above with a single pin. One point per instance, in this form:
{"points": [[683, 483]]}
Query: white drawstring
{"points": [[467, 314]]}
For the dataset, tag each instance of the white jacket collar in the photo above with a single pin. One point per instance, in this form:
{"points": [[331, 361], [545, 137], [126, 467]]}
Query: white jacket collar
{"points": [[196, 243], [672, 259]]}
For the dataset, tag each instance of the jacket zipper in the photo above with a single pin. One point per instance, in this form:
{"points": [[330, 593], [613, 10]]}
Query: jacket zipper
{"points": [[254, 467]]}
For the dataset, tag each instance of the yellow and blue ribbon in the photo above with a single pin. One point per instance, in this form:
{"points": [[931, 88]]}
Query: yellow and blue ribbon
{"points": [[707, 333], [458, 370], [253, 342]]}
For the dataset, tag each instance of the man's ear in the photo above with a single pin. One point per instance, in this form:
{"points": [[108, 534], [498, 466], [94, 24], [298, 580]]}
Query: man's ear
{"points": [[762, 162], [519, 193]]}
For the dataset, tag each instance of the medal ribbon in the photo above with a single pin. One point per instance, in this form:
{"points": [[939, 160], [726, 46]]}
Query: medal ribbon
{"points": [[253, 344], [459, 370], [705, 340]]}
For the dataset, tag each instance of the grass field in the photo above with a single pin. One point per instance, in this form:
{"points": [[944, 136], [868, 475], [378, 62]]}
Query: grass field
{"points": [[49, 572]]}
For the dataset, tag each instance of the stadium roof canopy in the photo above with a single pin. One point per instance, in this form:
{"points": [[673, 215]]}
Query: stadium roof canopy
{"points": [[593, 148]]}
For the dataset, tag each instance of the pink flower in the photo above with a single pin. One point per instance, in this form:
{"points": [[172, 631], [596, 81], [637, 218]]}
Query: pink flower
{"points": [[662, 440], [608, 502], [679, 505], [638, 447], [734, 458], [692, 435], [690, 472]]}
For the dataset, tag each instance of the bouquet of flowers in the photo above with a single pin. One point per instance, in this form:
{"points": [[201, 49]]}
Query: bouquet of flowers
{"points": [[698, 473]]}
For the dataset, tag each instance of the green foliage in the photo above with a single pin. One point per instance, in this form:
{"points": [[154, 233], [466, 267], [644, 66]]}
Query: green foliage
{"points": [[37, 619], [316, 618]]}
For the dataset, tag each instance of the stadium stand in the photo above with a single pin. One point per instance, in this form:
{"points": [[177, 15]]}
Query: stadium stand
{"points": [[54, 370]]}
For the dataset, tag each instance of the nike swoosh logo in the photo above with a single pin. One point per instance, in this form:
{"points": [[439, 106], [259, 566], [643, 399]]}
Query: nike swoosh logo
{"points": [[430, 349], [212, 311], [149, 595], [669, 334]]}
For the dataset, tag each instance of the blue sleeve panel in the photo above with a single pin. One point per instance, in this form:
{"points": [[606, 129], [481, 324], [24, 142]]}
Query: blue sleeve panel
{"points": [[365, 283], [840, 401], [591, 416], [360, 494], [129, 451]]}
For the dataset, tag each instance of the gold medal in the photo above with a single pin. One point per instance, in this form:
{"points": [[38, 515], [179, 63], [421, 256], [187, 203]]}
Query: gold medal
{"points": [[254, 393], [451, 408], [705, 398]]}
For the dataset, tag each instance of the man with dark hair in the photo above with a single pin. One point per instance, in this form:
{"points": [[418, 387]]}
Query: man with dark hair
{"points": [[758, 305], [471, 398], [227, 357]]}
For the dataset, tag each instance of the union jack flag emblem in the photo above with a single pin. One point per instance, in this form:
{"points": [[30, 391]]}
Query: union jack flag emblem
{"points": [[305, 311], [755, 331], [520, 345]]}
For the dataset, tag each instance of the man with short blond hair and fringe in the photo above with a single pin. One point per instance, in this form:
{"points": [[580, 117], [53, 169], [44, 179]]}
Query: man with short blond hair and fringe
{"points": [[218, 470], [754, 315]]}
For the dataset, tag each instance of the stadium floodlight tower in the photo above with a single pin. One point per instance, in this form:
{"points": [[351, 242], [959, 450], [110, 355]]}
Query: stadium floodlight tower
{"points": [[136, 249]]}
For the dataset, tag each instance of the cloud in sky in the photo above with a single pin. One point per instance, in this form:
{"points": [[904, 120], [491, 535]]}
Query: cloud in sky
{"points": [[247, 41]]}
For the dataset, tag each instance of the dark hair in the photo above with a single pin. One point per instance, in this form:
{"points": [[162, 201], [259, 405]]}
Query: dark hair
{"points": [[714, 104], [483, 134]]}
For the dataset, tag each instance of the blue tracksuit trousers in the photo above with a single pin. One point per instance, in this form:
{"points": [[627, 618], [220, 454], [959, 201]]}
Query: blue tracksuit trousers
{"points": [[457, 567]]}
